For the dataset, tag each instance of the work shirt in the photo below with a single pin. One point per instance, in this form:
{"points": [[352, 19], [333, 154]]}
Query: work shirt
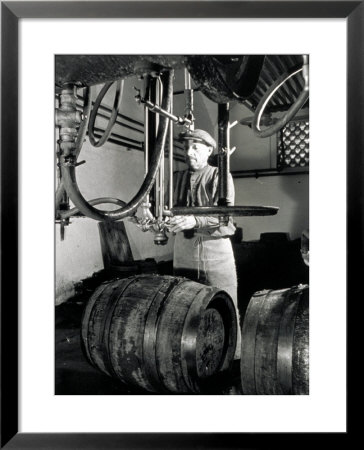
{"points": [[200, 188]]}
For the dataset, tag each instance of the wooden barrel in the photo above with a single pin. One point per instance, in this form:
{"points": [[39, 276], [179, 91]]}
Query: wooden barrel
{"points": [[160, 333], [274, 349]]}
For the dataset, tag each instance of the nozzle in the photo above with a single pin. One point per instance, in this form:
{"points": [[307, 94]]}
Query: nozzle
{"points": [[160, 238]]}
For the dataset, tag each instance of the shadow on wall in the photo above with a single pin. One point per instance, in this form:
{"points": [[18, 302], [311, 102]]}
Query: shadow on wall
{"points": [[289, 193], [297, 191], [273, 262]]}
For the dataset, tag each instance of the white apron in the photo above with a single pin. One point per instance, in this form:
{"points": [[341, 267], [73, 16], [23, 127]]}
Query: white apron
{"points": [[209, 261]]}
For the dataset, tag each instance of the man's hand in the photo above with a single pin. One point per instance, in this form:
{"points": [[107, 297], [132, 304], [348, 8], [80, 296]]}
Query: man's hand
{"points": [[180, 223]]}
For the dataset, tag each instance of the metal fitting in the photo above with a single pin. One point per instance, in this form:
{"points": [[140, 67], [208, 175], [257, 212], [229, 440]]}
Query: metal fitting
{"points": [[160, 238]]}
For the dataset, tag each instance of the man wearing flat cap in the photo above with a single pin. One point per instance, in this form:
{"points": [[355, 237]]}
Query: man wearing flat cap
{"points": [[202, 248]]}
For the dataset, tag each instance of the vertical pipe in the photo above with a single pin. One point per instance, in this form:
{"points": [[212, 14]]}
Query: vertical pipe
{"points": [[187, 80], [152, 134], [157, 180], [161, 168], [170, 185], [68, 120], [223, 153], [223, 158], [146, 145], [189, 99]]}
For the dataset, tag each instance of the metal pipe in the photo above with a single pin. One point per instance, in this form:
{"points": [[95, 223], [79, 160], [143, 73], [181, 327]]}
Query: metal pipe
{"points": [[151, 94], [157, 109], [188, 99], [223, 153], [162, 112], [146, 139], [223, 210], [170, 156], [223, 159], [161, 168], [117, 136], [196, 89], [117, 122], [187, 80], [122, 116], [118, 140], [104, 116], [157, 181], [139, 148], [69, 173], [161, 188], [78, 144]]}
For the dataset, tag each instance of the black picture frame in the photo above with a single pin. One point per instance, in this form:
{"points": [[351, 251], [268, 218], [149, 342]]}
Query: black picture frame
{"points": [[11, 13]]}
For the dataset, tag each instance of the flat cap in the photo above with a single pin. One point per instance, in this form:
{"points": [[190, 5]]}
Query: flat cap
{"points": [[198, 136]]}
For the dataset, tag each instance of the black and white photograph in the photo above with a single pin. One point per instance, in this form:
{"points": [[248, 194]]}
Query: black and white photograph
{"points": [[182, 224]]}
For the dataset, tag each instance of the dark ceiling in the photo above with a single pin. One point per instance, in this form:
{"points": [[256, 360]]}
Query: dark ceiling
{"points": [[257, 73]]}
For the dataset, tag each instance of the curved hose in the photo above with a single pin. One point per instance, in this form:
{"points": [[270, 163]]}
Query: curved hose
{"points": [[95, 201], [69, 172], [288, 115], [114, 113], [79, 141]]}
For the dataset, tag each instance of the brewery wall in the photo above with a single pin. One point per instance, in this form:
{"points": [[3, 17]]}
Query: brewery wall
{"points": [[111, 172], [289, 193]]}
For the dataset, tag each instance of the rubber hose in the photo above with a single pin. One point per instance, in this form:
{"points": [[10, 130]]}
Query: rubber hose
{"points": [[69, 172], [94, 202]]}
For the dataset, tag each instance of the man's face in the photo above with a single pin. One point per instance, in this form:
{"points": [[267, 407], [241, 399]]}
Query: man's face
{"points": [[197, 154]]}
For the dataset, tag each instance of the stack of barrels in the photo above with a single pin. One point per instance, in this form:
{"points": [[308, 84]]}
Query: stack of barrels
{"points": [[169, 334]]}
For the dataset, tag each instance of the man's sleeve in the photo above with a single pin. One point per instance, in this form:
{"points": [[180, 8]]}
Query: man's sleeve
{"points": [[213, 221]]}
